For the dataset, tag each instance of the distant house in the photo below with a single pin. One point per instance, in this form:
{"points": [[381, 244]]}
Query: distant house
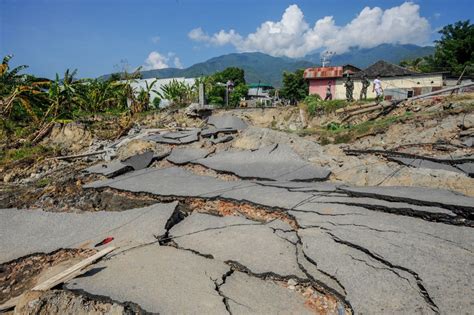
{"points": [[397, 82], [319, 78], [259, 90]]}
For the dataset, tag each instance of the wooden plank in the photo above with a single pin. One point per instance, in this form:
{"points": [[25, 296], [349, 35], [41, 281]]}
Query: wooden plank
{"points": [[11, 303], [72, 271], [61, 277]]}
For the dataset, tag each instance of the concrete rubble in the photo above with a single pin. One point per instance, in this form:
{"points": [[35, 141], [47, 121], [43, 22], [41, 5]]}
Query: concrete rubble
{"points": [[257, 222]]}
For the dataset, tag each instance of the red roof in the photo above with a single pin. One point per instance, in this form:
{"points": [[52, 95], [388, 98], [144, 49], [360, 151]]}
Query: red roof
{"points": [[323, 72]]}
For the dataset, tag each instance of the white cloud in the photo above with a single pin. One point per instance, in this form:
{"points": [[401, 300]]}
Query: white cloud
{"points": [[218, 39], [155, 39], [156, 60], [292, 36], [177, 63]]}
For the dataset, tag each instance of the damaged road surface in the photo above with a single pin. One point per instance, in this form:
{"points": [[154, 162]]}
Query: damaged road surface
{"points": [[217, 229], [369, 247]]}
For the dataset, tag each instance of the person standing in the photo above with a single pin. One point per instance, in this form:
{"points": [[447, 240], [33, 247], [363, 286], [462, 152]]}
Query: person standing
{"points": [[349, 88], [365, 85], [377, 88], [328, 92]]}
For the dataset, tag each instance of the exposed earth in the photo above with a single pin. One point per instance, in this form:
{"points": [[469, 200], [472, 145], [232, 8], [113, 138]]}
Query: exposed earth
{"points": [[247, 212]]}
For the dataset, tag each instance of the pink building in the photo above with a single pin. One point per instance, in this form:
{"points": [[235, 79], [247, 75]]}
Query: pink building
{"points": [[320, 77]]}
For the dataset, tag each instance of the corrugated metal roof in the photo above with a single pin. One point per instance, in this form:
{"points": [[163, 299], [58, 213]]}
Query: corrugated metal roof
{"points": [[323, 72]]}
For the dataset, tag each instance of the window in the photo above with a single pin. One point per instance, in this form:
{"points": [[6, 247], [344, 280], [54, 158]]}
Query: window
{"points": [[409, 94]]}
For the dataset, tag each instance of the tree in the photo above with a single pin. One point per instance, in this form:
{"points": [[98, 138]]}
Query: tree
{"points": [[295, 87], [454, 51], [419, 64], [455, 48], [240, 91], [234, 74], [20, 94], [216, 90]]}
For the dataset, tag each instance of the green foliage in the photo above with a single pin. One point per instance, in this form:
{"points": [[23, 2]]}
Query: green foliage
{"points": [[454, 51], [295, 87], [178, 92], [419, 64], [216, 89], [233, 74], [240, 91], [43, 182], [21, 96], [313, 104], [334, 126], [100, 96], [24, 153], [156, 102]]}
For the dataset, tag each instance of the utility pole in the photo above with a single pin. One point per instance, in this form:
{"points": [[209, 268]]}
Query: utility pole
{"points": [[326, 57]]}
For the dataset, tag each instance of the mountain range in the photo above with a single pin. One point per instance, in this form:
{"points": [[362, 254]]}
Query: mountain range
{"points": [[264, 68], [364, 57]]}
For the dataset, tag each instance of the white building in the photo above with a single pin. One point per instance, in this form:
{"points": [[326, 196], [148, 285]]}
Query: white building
{"points": [[139, 84]]}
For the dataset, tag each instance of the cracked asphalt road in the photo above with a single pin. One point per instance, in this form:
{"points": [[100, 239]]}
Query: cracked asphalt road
{"points": [[311, 247]]}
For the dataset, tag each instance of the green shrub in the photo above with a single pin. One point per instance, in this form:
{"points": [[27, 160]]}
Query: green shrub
{"points": [[313, 104]]}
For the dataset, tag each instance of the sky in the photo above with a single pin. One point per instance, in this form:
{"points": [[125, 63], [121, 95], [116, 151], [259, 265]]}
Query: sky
{"points": [[103, 36]]}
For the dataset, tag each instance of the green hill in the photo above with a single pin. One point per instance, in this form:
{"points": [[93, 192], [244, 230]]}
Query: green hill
{"points": [[365, 57], [257, 67], [268, 69]]}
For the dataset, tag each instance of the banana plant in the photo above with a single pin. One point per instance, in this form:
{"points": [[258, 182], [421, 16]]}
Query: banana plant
{"points": [[23, 91], [63, 96]]}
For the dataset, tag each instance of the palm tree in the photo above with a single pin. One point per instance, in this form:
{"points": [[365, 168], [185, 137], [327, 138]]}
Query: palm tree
{"points": [[23, 91]]}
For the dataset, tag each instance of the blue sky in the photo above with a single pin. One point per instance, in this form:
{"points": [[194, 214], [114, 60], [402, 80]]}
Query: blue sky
{"points": [[99, 36]]}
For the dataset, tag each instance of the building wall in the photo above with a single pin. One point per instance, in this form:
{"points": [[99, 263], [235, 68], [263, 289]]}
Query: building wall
{"points": [[319, 87], [137, 85], [394, 86]]}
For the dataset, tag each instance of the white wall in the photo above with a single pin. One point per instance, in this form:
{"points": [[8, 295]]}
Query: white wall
{"points": [[406, 82], [139, 84]]}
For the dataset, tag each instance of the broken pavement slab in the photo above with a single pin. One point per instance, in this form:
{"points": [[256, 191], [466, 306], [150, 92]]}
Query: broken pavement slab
{"points": [[175, 181], [116, 167], [161, 279], [275, 162], [213, 132], [177, 137], [386, 206], [373, 253], [248, 243], [425, 164], [246, 294], [25, 232], [222, 139], [110, 169], [172, 181], [227, 121], [416, 195], [182, 156]]}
